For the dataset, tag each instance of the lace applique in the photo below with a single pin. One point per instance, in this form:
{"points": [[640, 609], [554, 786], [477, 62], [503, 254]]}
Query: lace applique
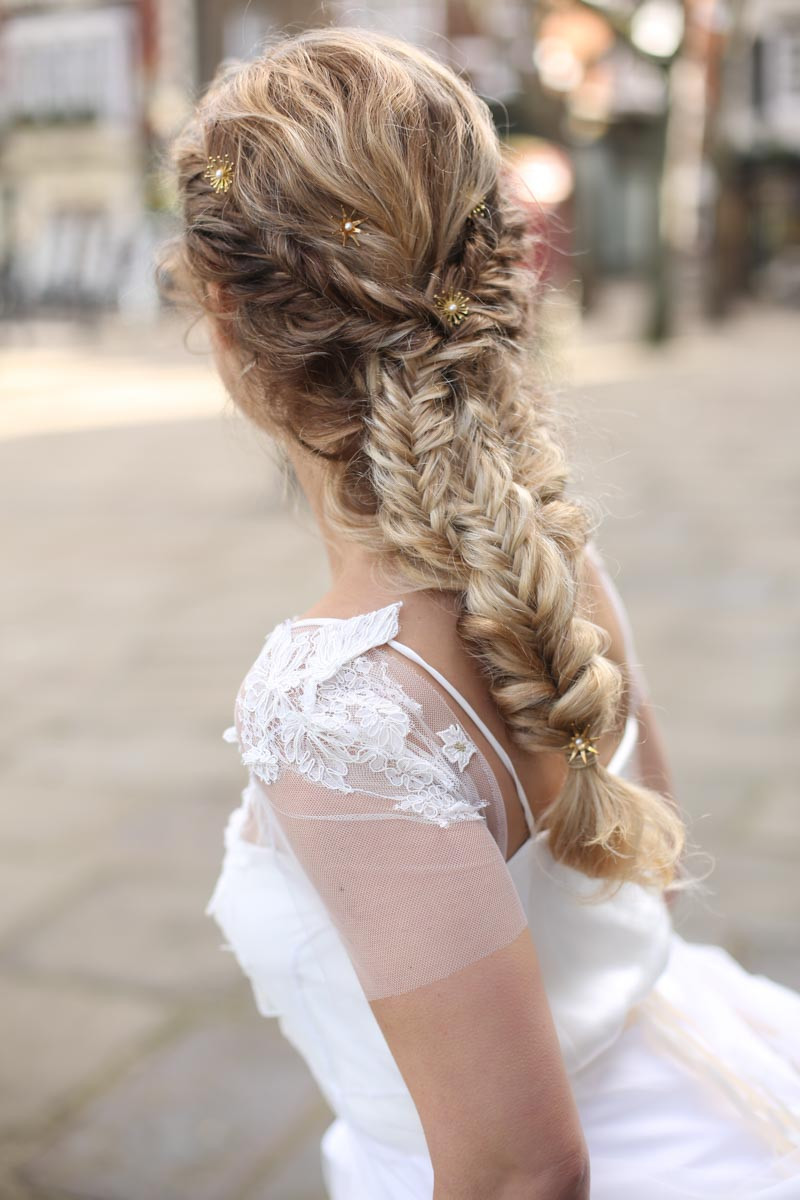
{"points": [[440, 809], [458, 748], [312, 703]]}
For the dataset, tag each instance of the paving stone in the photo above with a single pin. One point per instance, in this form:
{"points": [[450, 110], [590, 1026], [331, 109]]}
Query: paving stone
{"points": [[299, 1175], [141, 930], [13, 1153], [180, 833], [772, 955], [36, 885], [196, 1118], [772, 823], [83, 786], [770, 885], [58, 1038], [77, 794]]}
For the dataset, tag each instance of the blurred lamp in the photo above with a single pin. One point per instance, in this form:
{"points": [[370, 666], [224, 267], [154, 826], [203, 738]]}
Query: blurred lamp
{"points": [[544, 172], [559, 67], [657, 28]]}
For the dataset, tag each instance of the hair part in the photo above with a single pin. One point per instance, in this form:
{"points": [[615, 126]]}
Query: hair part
{"points": [[440, 452]]}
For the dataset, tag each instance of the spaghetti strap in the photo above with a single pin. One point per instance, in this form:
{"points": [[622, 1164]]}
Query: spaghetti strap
{"points": [[638, 684], [484, 728]]}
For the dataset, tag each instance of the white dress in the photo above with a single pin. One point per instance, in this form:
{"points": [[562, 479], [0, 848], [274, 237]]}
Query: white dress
{"points": [[375, 862]]}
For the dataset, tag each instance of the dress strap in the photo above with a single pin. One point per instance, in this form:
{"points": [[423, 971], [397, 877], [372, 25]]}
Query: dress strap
{"points": [[638, 683], [481, 724]]}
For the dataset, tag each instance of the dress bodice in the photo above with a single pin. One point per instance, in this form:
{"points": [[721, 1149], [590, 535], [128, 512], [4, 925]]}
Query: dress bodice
{"points": [[277, 906]]}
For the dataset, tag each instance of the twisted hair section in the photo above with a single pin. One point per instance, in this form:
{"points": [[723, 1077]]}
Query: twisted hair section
{"points": [[439, 450]]}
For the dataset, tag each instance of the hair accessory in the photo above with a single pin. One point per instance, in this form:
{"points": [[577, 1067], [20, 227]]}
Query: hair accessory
{"points": [[453, 306], [219, 172], [579, 745], [348, 226], [481, 209]]}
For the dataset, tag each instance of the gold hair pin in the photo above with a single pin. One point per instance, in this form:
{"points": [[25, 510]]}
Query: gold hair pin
{"points": [[579, 745], [219, 172], [348, 227], [481, 209], [452, 306]]}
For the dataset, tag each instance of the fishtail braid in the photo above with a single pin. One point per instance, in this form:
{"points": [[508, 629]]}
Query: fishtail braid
{"points": [[438, 452]]}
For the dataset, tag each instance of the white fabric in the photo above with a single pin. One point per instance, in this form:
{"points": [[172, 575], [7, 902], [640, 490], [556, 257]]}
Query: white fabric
{"points": [[380, 801], [374, 808]]}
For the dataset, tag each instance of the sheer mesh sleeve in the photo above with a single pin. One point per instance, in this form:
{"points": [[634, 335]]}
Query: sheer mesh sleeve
{"points": [[369, 780]]}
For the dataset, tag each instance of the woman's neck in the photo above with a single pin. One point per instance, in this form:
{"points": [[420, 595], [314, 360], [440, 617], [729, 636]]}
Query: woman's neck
{"points": [[360, 577]]}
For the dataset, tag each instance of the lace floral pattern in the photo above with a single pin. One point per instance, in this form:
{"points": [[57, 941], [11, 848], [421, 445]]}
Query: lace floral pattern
{"points": [[457, 746], [312, 703]]}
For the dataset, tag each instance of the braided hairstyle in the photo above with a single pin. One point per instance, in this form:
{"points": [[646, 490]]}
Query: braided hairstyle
{"points": [[439, 452]]}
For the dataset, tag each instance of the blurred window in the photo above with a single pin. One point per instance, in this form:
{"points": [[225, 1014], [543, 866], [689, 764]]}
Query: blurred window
{"points": [[70, 66], [780, 77], [420, 21]]}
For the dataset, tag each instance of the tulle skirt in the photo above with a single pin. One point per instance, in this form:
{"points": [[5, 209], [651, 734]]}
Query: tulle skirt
{"points": [[698, 1099]]}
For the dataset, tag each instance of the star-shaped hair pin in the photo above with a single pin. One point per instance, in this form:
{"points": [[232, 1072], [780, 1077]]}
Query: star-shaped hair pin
{"points": [[452, 306], [348, 227], [219, 172], [579, 745]]}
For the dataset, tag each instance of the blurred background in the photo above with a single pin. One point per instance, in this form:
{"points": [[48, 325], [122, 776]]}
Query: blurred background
{"points": [[148, 550]]}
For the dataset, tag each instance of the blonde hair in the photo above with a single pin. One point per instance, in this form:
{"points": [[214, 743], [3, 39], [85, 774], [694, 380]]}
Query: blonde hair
{"points": [[439, 451]]}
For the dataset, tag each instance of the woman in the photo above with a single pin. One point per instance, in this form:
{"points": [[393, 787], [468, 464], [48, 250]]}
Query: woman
{"points": [[448, 876]]}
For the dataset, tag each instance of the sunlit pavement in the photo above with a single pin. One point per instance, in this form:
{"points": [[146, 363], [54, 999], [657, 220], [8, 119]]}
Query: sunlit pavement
{"points": [[147, 555]]}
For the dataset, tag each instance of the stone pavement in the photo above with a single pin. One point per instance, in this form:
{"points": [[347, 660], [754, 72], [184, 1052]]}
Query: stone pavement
{"points": [[148, 554]]}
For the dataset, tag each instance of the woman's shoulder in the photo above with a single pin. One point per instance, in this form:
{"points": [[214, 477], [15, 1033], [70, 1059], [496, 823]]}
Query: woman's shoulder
{"points": [[318, 703], [300, 648]]}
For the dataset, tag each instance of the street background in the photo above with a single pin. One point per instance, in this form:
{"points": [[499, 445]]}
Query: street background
{"points": [[149, 550]]}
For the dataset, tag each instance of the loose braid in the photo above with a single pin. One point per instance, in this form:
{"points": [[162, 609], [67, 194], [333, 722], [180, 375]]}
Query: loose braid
{"points": [[456, 514], [438, 452]]}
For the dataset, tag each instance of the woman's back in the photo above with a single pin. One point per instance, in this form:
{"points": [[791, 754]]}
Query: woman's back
{"points": [[373, 843], [429, 629], [330, 906]]}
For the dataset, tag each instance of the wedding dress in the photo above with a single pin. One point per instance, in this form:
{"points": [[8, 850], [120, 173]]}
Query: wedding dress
{"points": [[367, 857]]}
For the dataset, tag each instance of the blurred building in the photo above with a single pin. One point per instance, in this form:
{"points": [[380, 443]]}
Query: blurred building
{"points": [[631, 89], [608, 106], [758, 225], [91, 92], [86, 90], [70, 149]]}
